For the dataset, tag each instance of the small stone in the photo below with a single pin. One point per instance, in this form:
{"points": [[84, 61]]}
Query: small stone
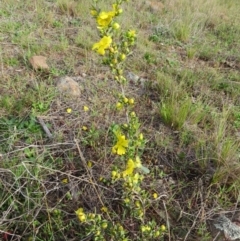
{"points": [[68, 86], [39, 63], [132, 77]]}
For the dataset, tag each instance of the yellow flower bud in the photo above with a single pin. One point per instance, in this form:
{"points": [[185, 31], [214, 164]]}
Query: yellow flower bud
{"points": [[65, 181], [114, 173], [125, 100], [120, 227], [82, 217], [119, 106], [120, 10], [89, 164], [111, 49], [114, 61], [104, 209], [143, 228], [80, 214], [137, 203], [85, 108], [131, 34], [122, 56], [120, 71], [92, 216], [155, 196], [133, 114], [104, 225], [122, 79], [93, 12], [69, 110], [131, 101], [163, 227], [84, 128], [116, 26]]}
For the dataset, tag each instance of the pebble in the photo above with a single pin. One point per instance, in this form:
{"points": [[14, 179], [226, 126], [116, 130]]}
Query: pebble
{"points": [[69, 87]]}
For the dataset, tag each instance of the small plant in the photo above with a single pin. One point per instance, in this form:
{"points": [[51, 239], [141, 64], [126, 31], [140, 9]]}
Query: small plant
{"points": [[128, 172]]}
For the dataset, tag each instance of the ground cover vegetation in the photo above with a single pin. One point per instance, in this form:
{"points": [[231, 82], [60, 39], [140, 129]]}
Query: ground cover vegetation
{"points": [[150, 150]]}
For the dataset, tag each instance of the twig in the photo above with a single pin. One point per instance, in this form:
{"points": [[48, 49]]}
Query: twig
{"points": [[91, 178], [168, 225], [45, 128], [12, 234], [194, 223]]}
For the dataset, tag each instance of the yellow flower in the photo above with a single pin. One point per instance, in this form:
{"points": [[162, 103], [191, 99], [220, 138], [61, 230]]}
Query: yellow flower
{"points": [[130, 168], [102, 45], [122, 144], [141, 137], [105, 18], [136, 178], [69, 110], [155, 196], [104, 209], [85, 108], [115, 175], [80, 214], [138, 162], [84, 128], [65, 181]]}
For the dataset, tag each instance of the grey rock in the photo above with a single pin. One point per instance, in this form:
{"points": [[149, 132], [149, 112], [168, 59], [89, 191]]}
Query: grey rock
{"points": [[69, 87]]}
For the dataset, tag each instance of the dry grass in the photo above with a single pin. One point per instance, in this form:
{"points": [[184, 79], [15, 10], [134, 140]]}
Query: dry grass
{"points": [[188, 51]]}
